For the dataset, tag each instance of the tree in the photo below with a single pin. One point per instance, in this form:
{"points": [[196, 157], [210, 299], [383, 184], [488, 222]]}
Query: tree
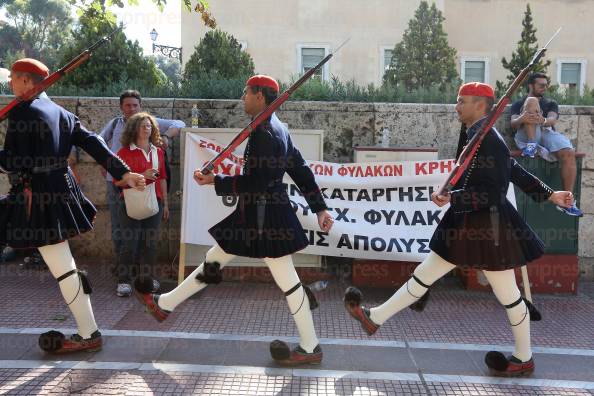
{"points": [[10, 45], [423, 58], [218, 54], [527, 47], [170, 67], [42, 27], [120, 60]]}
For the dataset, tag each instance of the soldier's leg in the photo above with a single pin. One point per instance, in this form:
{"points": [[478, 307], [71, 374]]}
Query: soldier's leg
{"points": [[62, 266], [285, 276], [424, 275], [207, 272], [507, 293]]}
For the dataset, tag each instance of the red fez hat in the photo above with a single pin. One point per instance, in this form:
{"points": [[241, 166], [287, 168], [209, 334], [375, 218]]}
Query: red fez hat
{"points": [[260, 80], [477, 89], [33, 66]]}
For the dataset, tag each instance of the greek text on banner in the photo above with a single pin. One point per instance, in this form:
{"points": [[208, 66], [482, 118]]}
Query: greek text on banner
{"points": [[381, 210]]}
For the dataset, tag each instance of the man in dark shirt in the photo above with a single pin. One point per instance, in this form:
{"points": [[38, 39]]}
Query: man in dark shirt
{"points": [[536, 134]]}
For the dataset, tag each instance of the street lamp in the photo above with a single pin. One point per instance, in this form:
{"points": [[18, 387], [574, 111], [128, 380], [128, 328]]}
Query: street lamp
{"points": [[153, 35], [170, 52]]}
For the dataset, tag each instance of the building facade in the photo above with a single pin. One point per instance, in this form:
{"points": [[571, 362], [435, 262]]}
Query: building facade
{"points": [[287, 37]]}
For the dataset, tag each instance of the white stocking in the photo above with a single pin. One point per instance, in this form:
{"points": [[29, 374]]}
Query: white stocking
{"points": [[286, 278], [60, 261], [506, 290], [191, 285], [430, 270]]}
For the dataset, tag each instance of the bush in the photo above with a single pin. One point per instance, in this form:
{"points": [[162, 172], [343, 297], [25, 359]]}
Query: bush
{"points": [[313, 90], [336, 90]]}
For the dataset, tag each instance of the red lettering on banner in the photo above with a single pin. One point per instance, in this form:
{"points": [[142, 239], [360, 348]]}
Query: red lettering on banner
{"points": [[446, 166], [433, 166], [377, 170], [420, 168], [226, 169]]}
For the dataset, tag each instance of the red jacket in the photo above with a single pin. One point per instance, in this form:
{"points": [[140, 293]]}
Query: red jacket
{"points": [[139, 161]]}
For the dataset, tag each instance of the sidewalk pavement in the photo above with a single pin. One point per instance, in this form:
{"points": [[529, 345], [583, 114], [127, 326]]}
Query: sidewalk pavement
{"points": [[217, 343]]}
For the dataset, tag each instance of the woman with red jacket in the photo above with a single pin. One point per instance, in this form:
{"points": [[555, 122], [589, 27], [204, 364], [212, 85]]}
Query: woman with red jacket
{"points": [[140, 143]]}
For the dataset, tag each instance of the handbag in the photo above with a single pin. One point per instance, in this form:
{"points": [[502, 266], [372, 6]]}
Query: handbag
{"points": [[143, 204]]}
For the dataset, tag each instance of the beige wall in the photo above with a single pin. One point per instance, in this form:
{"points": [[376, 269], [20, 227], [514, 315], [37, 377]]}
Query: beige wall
{"points": [[273, 30]]}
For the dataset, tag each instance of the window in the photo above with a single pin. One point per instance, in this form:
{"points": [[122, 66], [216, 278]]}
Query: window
{"points": [[309, 56], [571, 74], [474, 69], [385, 59]]}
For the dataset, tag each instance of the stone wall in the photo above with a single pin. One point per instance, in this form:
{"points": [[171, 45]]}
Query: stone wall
{"points": [[345, 124]]}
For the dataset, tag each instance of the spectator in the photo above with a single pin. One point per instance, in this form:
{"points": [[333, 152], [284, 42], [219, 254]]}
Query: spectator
{"points": [[531, 108], [140, 141], [536, 134], [130, 104]]}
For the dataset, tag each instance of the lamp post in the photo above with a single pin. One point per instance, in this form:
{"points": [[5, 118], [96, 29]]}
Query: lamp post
{"points": [[170, 52]]}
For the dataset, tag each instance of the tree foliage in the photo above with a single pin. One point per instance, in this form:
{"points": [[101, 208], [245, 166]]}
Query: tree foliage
{"points": [[527, 47], [118, 60], [170, 67], [423, 58], [218, 54], [38, 28]]}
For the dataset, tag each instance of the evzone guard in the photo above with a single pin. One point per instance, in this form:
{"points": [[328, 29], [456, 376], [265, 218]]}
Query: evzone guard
{"points": [[45, 206], [481, 230], [263, 225]]}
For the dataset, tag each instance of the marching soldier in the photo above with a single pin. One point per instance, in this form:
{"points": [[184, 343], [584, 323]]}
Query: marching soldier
{"points": [[45, 206], [481, 230], [263, 224]]}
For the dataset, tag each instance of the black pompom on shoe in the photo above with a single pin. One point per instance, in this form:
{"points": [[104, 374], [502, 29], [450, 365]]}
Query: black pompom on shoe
{"points": [[51, 341], [282, 354], [352, 302], [279, 350], [496, 361], [144, 284], [353, 296], [502, 366]]}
